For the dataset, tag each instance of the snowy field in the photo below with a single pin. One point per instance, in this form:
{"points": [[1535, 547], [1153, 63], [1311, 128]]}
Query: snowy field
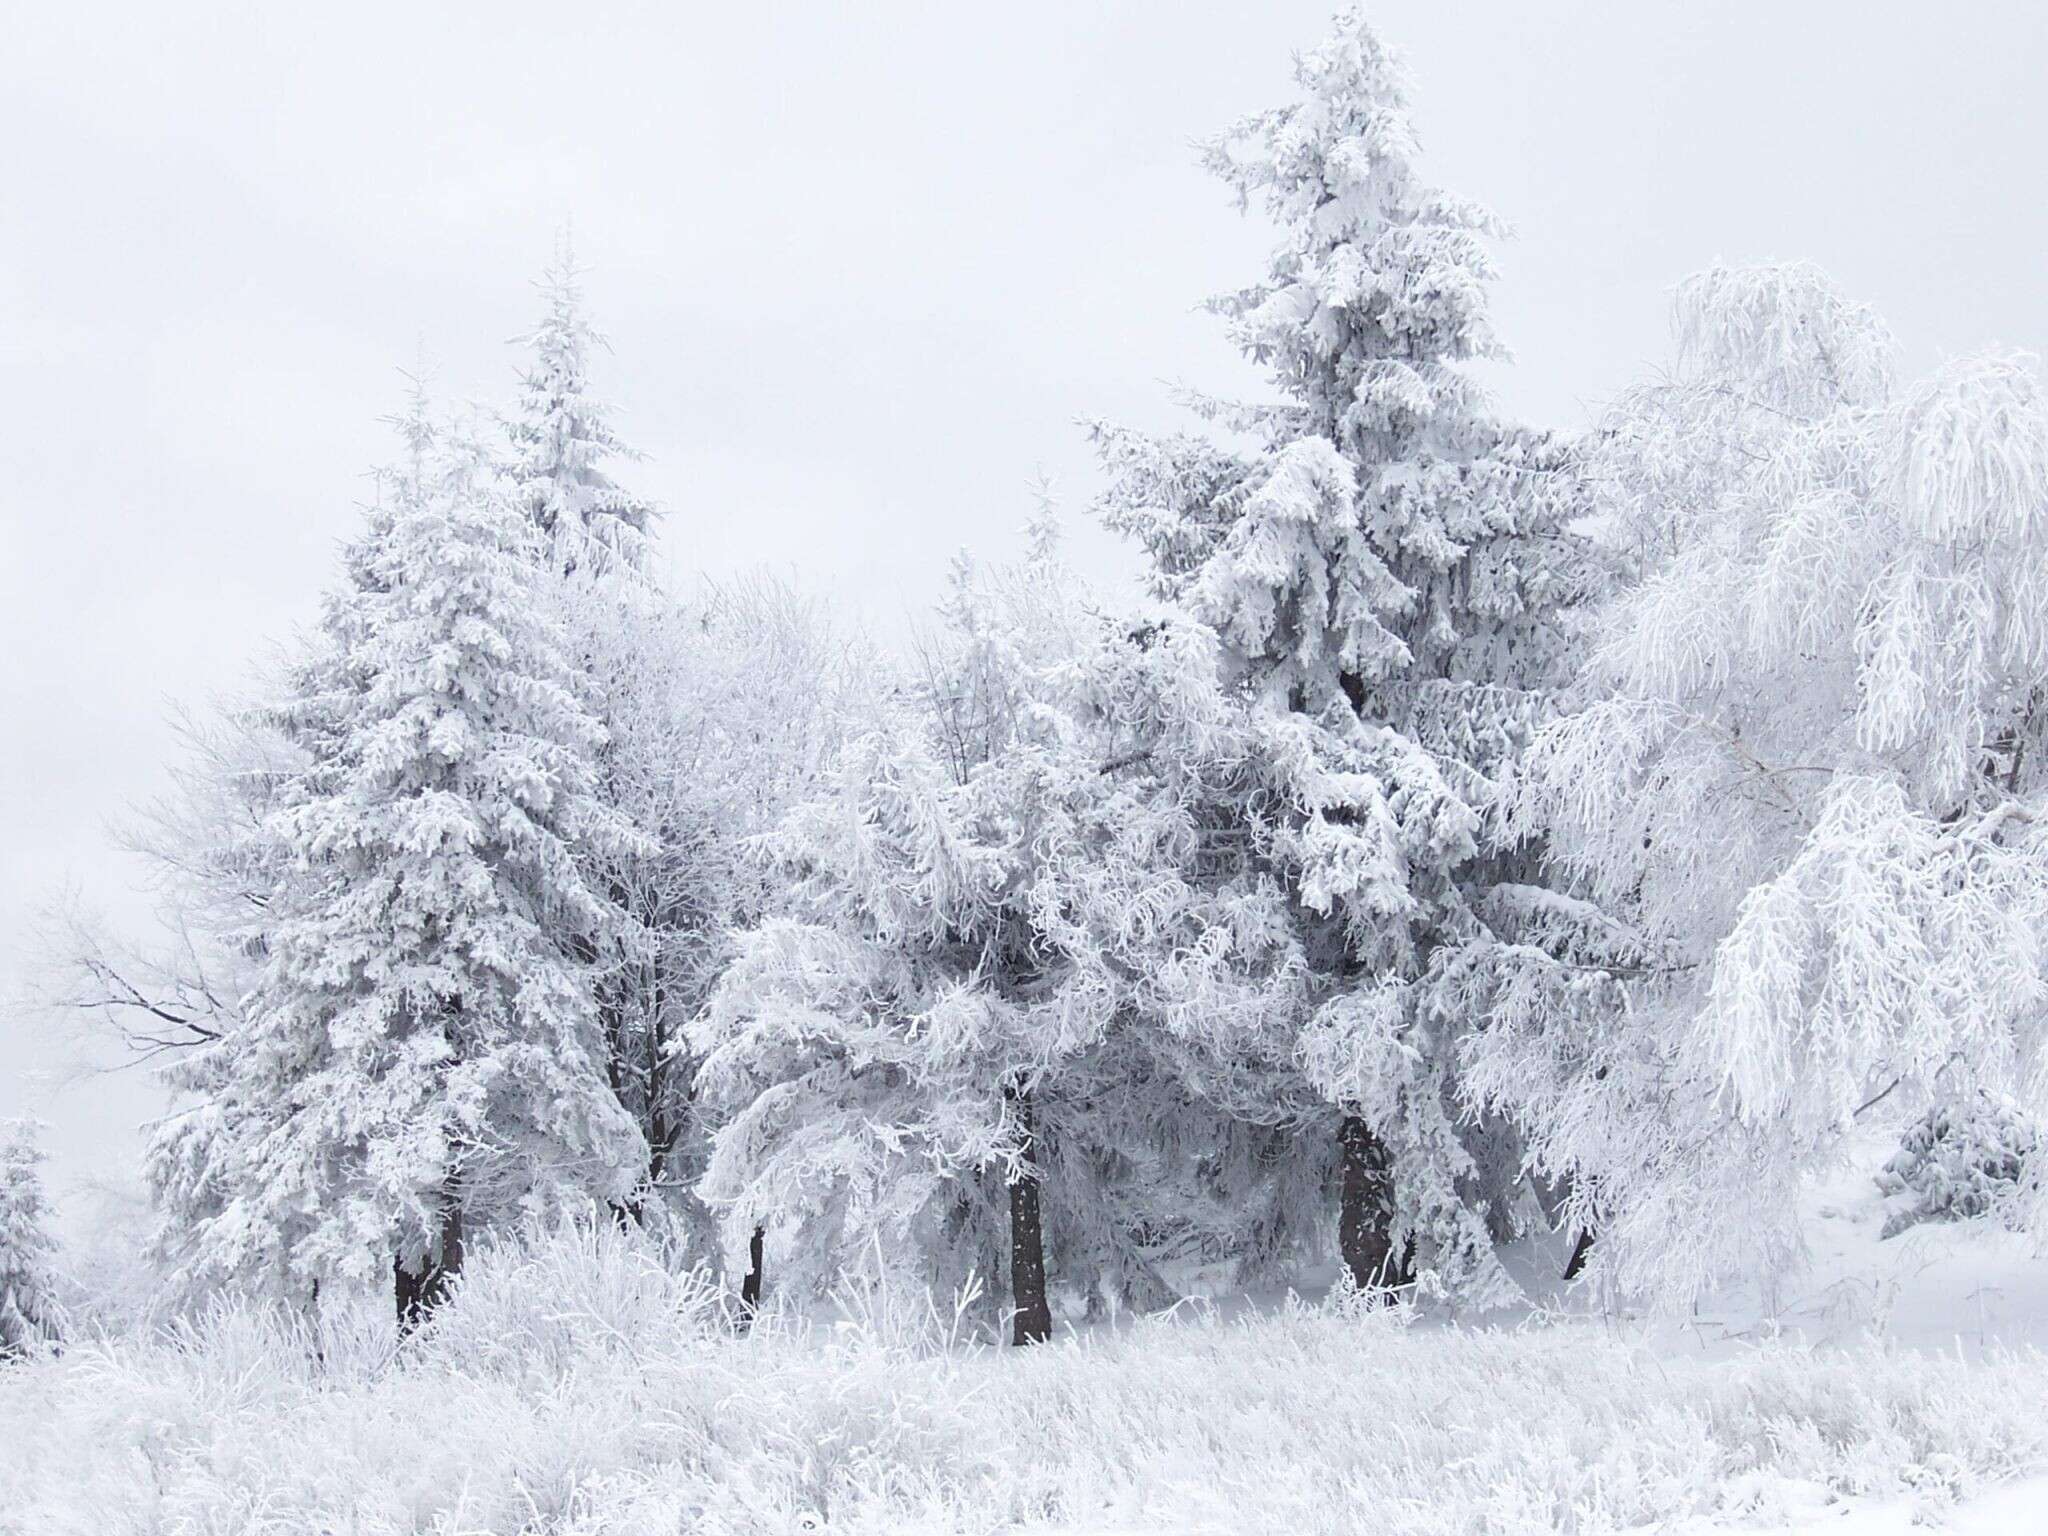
{"points": [[585, 1387]]}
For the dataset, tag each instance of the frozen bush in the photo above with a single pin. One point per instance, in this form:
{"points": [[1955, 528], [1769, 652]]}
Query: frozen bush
{"points": [[534, 1302], [1964, 1158]]}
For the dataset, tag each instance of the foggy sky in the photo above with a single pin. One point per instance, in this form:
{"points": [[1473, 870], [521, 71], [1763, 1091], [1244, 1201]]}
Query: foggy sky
{"points": [[863, 267]]}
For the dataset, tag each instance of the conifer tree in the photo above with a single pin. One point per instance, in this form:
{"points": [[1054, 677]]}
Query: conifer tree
{"points": [[420, 1053], [1382, 555], [562, 442], [28, 1303]]}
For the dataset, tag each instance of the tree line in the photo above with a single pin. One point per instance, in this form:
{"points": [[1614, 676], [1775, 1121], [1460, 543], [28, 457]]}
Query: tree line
{"points": [[1474, 830]]}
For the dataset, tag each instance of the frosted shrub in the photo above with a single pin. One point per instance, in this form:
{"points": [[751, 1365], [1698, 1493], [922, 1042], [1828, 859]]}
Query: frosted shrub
{"points": [[533, 1302], [879, 1316], [1961, 1159]]}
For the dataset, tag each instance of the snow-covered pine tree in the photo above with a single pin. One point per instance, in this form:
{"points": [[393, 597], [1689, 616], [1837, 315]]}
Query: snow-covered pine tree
{"points": [[421, 1054], [1804, 786], [630, 644], [1381, 555], [28, 1302], [1250, 844], [563, 445]]}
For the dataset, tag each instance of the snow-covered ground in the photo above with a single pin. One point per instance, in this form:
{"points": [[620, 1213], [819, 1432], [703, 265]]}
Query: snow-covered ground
{"points": [[582, 1388], [1965, 1288], [2015, 1509]]}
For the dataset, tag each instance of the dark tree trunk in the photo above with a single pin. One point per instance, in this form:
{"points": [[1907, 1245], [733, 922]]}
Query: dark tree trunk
{"points": [[750, 1287], [418, 1292], [1365, 1213], [1580, 1250], [405, 1286], [1027, 1240]]}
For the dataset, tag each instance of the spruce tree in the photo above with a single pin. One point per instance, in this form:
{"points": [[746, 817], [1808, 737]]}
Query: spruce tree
{"points": [[28, 1304], [562, 442], [1381, 554], [421, 1052], [591, 546]]}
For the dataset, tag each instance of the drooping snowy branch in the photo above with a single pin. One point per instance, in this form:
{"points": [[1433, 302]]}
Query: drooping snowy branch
{"points": [[1804, 772]]}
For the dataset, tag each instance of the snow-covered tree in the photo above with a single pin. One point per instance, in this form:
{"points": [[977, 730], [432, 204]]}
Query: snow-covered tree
{"points": [[922, 1050], [1270, 851], [421, 1051], [28, 1303], [1386, 559], [1803, 787], [877, 1049], [563, 445], [1964, 1158], [1045, 963], [720, 714], [213, 845]]}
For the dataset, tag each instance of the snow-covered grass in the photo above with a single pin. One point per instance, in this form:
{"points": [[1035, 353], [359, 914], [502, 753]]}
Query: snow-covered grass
{"points": [[581, 1385]]}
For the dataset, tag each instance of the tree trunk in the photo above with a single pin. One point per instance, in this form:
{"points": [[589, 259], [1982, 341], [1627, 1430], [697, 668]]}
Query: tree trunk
{"points": [[1027, 1241], [418, 1292], [750, 1286], [1365, 1214], [1580, 1250]]}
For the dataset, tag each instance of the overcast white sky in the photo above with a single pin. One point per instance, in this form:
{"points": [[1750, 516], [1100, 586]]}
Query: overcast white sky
{"points": [[863, 266]]}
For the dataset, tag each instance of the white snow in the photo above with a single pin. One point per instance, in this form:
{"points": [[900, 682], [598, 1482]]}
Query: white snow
{"points": [[578, 1385]]}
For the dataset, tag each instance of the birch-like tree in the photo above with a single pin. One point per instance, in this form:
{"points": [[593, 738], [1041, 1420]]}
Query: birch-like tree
{"points": [[721, 714], [1802, 789]]}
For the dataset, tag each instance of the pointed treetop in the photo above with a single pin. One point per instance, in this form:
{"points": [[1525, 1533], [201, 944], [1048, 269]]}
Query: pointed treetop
{"points": [[1043, 531], [1381, 278], [562, 440], [414, 424]]}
